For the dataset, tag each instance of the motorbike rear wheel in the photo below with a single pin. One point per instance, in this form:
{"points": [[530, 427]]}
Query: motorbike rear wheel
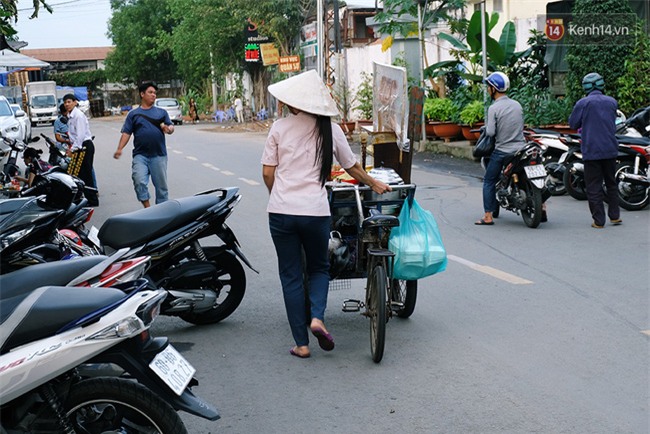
{"points": [[631, 197], [119, 405], [575, 184], [230, 286], [532, 211]]}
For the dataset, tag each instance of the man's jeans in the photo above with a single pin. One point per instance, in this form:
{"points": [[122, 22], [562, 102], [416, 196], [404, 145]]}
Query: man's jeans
{"points": [[142, 168], [492, 175]]}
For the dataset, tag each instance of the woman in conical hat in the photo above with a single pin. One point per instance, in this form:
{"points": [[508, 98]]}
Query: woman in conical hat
{"points": [[296, 163]]}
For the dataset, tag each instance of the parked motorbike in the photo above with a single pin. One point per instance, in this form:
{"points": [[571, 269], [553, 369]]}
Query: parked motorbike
{"points": [[637, 125], [57, 156], [10, 149], [632, 174], [520, 187], [553, 148], [205, 284], [44, 227], [54, 337]]}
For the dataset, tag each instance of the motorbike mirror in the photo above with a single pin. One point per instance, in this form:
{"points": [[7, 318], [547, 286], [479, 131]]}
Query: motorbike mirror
{"points": [[35, 139]]}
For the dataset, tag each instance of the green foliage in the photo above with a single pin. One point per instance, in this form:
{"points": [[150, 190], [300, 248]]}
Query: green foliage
{"points": [[344, 99], [539, 106], [634, 85], [392, 15], [468, 49], [364, 96], [9, 15], [472, 113], [463, 95], [91, 79], [439, 109], [137, 29], [530, 66], [203, 102], [604, 57]]}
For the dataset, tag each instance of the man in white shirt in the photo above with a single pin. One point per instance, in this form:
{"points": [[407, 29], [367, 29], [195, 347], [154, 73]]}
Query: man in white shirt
{"points": [[82, 149]]}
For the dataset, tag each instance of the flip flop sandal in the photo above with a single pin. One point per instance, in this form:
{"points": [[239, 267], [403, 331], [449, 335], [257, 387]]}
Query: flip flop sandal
{"points": [[483, 223]]}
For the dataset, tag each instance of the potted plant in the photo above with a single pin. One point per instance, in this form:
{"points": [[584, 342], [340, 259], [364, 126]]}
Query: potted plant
{"points": [[364, 99], [439, 112], [472, 117], [344, 100]]}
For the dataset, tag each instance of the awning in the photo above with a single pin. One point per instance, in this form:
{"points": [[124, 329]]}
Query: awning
{"points": [[10, 59]]}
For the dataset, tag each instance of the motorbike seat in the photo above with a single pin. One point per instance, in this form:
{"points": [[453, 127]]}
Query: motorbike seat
{"points": [[28, 279], [9, 206], [138, 227], [41, 313], [626, 140]]}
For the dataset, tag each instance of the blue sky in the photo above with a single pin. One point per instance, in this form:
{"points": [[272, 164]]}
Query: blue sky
{"points": [[73, 23]]}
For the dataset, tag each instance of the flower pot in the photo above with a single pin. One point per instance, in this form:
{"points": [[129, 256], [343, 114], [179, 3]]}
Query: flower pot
{"points": [[466, 130], [559, 128], [429, 130], [447, 130], [348, 127]]}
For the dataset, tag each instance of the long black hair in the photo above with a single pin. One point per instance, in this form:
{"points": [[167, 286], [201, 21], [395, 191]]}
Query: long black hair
{"points": [[324, 145]]}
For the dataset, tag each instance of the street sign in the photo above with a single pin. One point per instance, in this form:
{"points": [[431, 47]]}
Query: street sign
{"points": [[270, 54]]}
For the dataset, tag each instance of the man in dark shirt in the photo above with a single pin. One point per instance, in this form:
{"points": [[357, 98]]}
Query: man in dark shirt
{"points": [[148, 124], [596, 115]]}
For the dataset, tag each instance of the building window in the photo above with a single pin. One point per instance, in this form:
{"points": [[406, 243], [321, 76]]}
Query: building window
{"points": [[497, 5]]}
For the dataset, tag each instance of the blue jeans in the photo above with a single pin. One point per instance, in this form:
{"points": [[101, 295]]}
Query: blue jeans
{"points": [[492, 175], [142, 168], [291, 234]]}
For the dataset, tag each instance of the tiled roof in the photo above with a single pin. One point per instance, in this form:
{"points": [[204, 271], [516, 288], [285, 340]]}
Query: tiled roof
{"points": [[68, 54]]}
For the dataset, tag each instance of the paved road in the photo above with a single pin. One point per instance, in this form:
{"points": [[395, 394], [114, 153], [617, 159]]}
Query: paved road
{"points": [[541, 331]]}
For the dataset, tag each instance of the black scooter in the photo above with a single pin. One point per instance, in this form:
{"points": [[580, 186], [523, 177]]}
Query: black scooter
{"points": [[205, 284], [522, 180]]}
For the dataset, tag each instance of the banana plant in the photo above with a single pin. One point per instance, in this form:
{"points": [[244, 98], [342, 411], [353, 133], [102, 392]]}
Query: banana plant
{"points": [[468, 53]]}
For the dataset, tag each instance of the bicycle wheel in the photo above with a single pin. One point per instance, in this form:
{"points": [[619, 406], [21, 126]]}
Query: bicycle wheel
{"points": [[404, 293], [376, 306]]}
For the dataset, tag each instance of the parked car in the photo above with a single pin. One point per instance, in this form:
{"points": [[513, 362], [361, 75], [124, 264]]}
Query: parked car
{"points": [[26, 125], [10, 126], [173, 107]]}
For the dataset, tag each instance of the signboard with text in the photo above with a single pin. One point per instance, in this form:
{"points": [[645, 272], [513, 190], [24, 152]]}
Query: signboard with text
{"points": [[270, 54], [289, 63]]}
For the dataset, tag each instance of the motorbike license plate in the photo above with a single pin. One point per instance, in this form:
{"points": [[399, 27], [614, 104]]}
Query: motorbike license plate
{"points": [[93, 236], [537, 171], [173, 369]]}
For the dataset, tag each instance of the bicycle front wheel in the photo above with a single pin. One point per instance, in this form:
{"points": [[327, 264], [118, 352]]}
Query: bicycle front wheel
{"points": [[376, 305]]}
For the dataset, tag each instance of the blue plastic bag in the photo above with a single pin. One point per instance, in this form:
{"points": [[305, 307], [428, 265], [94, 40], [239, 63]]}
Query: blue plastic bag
{"points": [[417, 244]]}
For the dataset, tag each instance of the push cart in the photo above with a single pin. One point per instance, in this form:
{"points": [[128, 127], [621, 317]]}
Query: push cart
{"points": [[361, 224]]}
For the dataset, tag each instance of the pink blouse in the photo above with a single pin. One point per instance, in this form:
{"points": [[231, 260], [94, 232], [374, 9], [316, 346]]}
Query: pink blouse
{"points": [[291, 147]]}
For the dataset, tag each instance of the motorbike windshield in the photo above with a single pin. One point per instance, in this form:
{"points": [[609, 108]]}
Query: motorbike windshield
{"points": [[43, 101]]}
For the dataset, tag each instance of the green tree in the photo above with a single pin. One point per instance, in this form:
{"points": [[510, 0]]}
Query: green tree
{"points": [[633, 87], [399, 17], [136, 28], [209, 36], [9, 16], [604, 54]]}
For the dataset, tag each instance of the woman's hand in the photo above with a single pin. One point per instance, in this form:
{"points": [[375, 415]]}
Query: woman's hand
{"points": [[379, 187]]}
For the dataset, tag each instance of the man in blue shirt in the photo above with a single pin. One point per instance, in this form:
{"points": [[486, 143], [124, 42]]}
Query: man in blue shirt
{"points": [[596, 115], [148, 124]]}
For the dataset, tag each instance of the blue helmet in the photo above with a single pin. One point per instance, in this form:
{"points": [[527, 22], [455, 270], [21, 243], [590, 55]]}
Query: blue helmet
{"points": [[593, 81], [499, 81]]}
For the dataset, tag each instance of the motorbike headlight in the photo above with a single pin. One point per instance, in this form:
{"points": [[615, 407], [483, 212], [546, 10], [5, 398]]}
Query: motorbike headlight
{"points": [[12, 237]]}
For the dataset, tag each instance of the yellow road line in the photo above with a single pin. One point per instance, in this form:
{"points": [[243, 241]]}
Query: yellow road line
{"points": [[499, 274]]}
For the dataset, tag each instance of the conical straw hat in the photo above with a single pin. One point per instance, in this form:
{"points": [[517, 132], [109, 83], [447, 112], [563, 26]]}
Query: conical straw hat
{"points": [[305, 92]]}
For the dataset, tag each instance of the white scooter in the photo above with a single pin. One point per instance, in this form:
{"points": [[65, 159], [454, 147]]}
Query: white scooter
{"points": [[52, 335]]}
